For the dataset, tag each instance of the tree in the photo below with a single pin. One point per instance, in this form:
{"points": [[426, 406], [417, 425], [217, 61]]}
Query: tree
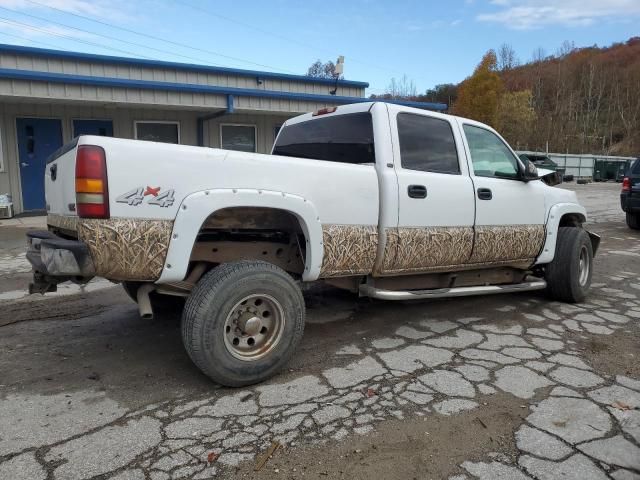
{"points": [[478, 95], [515, 116], [538, 55], [403, 89], [322, 70], [443, 93], [507, 58]]}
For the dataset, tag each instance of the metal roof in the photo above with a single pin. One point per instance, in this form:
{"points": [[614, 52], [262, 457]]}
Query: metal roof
{"points": [[63, 78], [91, 57]]}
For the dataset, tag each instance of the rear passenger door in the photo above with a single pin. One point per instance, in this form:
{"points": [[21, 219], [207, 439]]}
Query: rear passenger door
{"points": [[435, 195]]}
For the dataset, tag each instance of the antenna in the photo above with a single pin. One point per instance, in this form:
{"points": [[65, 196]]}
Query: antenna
{"points": [[337, 71]]}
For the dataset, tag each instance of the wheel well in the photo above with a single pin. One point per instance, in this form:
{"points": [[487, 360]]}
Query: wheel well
{"points": [[251, 233], [571, 220]]}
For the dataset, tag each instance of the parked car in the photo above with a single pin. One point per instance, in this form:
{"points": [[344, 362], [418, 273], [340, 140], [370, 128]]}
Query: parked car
{"points": [[630, 195], [389, 202], [543, 161]]}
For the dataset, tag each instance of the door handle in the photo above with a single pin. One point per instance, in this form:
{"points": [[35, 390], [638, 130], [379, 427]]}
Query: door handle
{"points": [[485, 194], [24, 164], [417, 191], [54, 172]]}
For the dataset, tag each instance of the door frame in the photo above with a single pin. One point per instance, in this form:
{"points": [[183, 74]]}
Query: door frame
{"points": [[17, 144]]}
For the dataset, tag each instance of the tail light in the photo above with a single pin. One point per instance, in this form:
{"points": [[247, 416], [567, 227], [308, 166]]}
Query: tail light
{"points": [[626, 184], [92, 191]]}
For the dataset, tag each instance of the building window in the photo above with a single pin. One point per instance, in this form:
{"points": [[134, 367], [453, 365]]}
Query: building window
{"points": [[152, 131], [427, 144], [238, 137]]}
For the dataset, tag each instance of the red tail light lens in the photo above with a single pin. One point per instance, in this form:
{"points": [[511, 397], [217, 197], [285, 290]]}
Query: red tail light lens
{"points": [[626, 184], [92, 191]]}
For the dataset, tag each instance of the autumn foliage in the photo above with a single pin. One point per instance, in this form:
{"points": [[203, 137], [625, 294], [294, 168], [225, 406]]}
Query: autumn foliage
{"points": [[580, 100], [479, 95]]}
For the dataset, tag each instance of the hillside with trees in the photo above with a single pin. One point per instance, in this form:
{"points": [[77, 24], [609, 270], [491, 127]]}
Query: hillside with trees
{"points": [[579, 100]]}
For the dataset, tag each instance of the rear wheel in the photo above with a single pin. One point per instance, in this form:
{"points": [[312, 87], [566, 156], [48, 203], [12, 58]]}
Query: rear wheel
{"points": [[569, 275], [242, 322], [633, 220]]}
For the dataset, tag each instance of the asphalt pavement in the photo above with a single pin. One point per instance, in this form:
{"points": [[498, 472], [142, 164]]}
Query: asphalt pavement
{"points": [[509, 386]]}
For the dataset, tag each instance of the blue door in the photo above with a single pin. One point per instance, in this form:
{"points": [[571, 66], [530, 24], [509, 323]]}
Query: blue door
{"points": [[37, 139], [103, 128]]}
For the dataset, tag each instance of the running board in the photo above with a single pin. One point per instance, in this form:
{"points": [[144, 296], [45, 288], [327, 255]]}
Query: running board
{"points": [[371, 291]]}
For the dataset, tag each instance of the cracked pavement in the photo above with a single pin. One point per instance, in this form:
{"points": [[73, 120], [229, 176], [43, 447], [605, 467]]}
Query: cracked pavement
{"points": [[502, 387]]}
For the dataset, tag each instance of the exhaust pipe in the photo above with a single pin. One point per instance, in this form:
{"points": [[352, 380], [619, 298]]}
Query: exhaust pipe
{"points": [[144, 302]]}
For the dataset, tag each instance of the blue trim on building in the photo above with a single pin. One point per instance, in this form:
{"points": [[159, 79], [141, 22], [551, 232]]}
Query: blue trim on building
{"points": [[28, 75], [139, 62]]}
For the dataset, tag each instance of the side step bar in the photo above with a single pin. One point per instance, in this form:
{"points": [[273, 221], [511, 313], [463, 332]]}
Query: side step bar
{"points": [[373, 292]]}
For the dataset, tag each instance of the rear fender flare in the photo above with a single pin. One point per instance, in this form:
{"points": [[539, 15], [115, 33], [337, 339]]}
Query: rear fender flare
{"points": [[196, 207], [556, 212]]}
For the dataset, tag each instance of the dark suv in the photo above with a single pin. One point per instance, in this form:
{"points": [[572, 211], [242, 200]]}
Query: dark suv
{"points": [[630, 195]]}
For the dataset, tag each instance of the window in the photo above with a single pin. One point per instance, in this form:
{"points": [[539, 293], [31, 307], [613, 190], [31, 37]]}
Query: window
{"points": [[166, 132], [489, 155], [635, 167], [427, 144], [238, 137], [339, 138]]}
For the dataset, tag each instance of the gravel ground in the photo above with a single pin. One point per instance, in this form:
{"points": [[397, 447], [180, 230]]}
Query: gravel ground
{"points": [[502, 387]]}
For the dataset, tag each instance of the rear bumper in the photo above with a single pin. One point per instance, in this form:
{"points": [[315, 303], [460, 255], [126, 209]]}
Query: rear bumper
{"points": [[54, 256]]}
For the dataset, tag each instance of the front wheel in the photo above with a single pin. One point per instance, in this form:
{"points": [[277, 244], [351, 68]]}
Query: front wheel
{"points": [[633, 220], [242, 322], [568, 276]]}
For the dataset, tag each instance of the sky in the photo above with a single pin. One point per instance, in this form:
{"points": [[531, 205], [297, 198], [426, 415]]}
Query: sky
{"points": [[431, 42]]}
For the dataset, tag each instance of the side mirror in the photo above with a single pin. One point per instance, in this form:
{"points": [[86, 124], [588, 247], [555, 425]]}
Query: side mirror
{"points": [[530, 171]]}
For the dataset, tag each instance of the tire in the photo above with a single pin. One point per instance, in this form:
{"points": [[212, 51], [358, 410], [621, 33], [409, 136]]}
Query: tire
{"points": [[226, 306], [567, 279], [633, 220], [158, 302]]}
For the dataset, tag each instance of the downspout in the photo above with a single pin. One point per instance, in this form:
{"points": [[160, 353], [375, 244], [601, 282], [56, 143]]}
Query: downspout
{"points": [[229, 110]]}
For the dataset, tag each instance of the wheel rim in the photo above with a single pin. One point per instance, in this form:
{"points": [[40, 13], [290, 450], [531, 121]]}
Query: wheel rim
{"points": [[584, 267], [254, 327]]}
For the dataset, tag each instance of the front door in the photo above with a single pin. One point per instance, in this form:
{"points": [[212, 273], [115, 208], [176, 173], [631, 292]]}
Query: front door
{"points": [[509, 226], [102, 128], [435, 197], [37, 139]]}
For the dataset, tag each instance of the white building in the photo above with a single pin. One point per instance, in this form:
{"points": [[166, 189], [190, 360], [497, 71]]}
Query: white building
{"points": [[48, 97]]}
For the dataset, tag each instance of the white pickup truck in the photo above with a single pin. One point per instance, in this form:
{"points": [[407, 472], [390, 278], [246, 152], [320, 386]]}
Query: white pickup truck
{"points": [[388, 201]]}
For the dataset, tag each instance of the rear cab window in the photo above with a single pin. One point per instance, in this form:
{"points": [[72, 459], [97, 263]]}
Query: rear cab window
{"points": [[427, 144], [346, 138]]}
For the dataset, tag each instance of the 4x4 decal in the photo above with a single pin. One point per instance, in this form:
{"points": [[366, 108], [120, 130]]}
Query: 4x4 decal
{"points": [[136, 196]]}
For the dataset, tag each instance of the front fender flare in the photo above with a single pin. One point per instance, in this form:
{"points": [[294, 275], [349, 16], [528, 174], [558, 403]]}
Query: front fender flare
{"points": [[556, 212], [196, 207]]}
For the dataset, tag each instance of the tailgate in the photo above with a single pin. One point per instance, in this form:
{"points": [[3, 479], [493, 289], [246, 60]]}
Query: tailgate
{"points": [[59, 181]]}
